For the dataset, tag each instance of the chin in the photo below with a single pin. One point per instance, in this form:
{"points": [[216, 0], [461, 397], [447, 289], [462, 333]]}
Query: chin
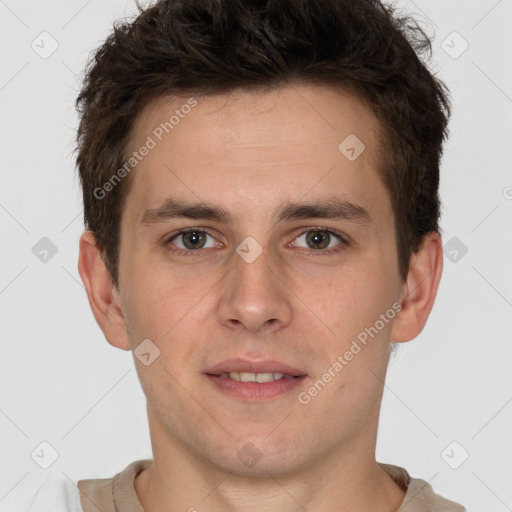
{"points": [[259, 455]]}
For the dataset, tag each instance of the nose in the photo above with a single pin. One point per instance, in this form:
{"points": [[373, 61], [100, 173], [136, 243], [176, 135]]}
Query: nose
{"points": [[255, 296]]}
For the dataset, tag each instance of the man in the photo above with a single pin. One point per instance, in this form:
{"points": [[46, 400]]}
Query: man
{"points": [[260, 183]]}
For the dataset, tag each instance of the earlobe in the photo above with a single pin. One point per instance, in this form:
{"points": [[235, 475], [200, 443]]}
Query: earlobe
{"points": [[420, 289], [103, 298]]}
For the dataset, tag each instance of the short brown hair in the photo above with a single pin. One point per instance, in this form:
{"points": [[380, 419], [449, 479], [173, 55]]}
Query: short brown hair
{"points": [[214, 46]]}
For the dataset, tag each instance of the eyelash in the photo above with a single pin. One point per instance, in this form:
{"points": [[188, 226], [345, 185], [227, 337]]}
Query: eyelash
{"points": [[343, 239]]}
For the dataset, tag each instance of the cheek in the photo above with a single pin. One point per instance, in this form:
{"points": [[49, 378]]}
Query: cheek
{"points": [[169, 308], [357, 310], [347, 301], [158, 296]]}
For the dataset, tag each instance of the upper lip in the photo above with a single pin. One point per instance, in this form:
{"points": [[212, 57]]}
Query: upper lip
{"points": [[244, 365]]}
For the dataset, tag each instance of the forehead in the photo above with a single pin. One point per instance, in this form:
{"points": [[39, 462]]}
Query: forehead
{"points": [[258, 148]]}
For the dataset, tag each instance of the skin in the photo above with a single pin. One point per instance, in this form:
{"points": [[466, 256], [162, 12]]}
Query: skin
{"points": [[250, 152]]}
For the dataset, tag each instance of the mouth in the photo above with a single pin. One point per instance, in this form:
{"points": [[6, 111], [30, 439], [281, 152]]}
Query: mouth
{"points": [[254, 381], [245, 368], [260, 377]]}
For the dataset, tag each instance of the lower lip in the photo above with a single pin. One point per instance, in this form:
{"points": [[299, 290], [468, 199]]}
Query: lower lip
{"points": [[255, 391]]}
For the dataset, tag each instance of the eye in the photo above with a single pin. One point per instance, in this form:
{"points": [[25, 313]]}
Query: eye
{"points": [[318, 239], [193, 239]]}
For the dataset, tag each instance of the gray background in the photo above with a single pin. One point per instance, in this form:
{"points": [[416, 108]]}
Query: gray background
{"points": [[448, 394]]}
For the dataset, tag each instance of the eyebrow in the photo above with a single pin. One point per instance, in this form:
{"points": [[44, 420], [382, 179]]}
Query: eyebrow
{"points": [[333, 208]]}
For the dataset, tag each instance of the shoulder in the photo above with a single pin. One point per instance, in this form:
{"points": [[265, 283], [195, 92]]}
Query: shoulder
{"points": [[420, 496], [114, 493], [57, 495]]}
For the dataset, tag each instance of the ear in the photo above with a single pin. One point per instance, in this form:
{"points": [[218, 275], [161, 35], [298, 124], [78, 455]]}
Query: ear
{"points": [[103, 297], [420, 289]]}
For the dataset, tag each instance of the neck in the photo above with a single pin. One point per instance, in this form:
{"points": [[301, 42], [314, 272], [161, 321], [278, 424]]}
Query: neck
{"points": [[346, 481]]}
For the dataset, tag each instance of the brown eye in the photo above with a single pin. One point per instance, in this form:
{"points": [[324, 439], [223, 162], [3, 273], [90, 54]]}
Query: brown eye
{"points": [[192, 240], [318, 239]]}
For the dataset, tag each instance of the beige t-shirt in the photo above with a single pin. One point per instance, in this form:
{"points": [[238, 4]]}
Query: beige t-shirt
{"points": [[117, 494]]}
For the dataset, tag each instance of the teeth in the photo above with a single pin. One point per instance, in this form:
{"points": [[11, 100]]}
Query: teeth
{"points": [[265, 377], [255, 377]]}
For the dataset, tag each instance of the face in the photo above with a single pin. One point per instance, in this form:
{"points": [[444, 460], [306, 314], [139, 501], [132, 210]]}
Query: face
{"points": [[287, 254]]}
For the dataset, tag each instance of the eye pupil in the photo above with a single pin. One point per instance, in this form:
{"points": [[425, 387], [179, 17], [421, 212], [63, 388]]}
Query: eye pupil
{"points": [[318, 238], [315, 239], [194, 240]]}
